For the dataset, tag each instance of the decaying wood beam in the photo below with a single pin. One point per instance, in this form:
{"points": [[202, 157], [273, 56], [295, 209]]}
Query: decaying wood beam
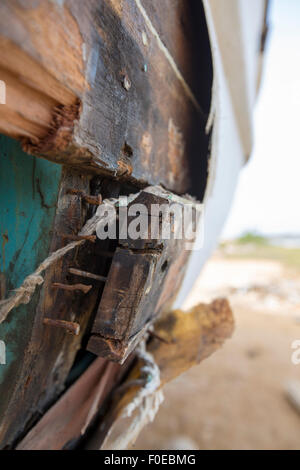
{"points": [[65, 65], [41, 64], [190, 337], [144, 277]]}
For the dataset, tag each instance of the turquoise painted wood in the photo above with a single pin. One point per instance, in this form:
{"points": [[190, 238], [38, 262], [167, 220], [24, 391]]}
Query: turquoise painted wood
{"points": [[28, 194]]}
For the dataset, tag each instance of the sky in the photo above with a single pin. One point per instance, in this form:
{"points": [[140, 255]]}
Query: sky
{"points": [[268, 193]]}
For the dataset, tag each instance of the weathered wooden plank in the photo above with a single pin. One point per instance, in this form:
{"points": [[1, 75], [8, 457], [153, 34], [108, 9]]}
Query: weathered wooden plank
{"points": [[129, 278], [46, 354], [29, 189], [89, 84], [190, 337], [66, 422], [86, 89], [41, 64], [143, 280]]}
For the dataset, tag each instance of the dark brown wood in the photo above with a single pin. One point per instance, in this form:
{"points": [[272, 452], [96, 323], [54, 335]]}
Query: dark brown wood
{"points": [[65, 65], [143, 281], [93, 85], [127, 284], [181, 25]]}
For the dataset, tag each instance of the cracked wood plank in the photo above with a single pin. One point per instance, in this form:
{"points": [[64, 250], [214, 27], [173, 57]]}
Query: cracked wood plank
{"points": [[91, 84]]}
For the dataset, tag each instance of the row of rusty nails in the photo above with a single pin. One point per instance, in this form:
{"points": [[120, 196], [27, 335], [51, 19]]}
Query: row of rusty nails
{"points": [[73, 327]]}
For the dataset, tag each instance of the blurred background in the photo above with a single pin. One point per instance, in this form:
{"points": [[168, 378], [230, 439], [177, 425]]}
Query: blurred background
{"points": [[245, 396]]}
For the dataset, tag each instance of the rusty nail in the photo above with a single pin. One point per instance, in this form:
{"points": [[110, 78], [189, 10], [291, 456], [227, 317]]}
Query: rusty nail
{"points": [[91, 238], [78, 272], [69, 326], [95, 200], [72, 287]]}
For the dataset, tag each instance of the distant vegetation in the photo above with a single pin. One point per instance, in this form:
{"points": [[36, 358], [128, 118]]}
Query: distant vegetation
{"points": [[255, 246], [252, 237]]}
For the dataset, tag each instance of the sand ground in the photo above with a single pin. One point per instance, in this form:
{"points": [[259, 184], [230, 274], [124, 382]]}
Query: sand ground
{"points": [[236, 398]]}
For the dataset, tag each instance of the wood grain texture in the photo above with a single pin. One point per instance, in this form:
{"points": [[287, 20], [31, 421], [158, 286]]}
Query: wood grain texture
{"points": [[49, 353], [90, 85], [190, 337], [142, 283], [29, 188]]}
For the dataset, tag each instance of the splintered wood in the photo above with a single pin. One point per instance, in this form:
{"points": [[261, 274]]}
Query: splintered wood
{"points": [[77, 72], [191, 337]]}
